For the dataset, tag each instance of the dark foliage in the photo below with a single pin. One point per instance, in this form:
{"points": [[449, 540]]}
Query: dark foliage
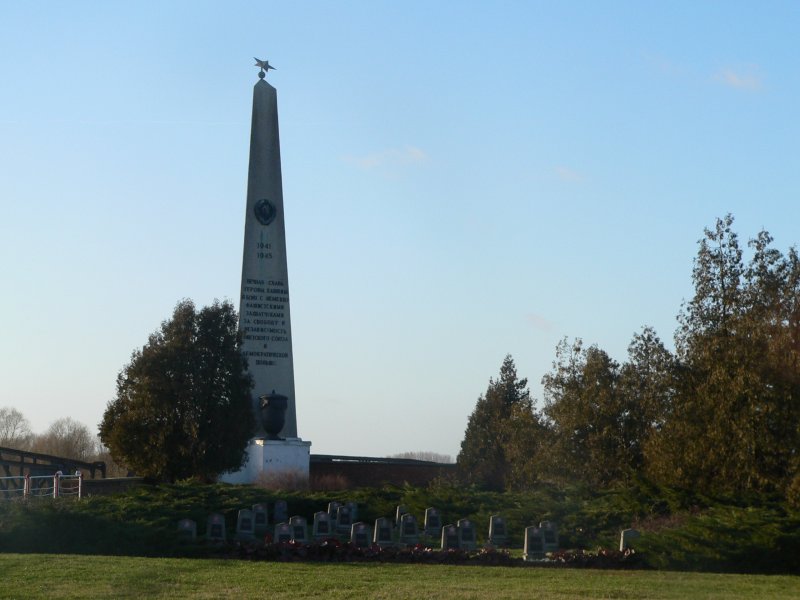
{"points": [[720, 415], [501, 432], [183, 405]]}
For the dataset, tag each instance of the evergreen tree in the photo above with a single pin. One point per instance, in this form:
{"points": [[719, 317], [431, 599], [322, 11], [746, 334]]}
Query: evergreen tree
{"points": [[648, 384], [484, 455], [584, 411], [734, 425], [527, 445], [183, 405]]}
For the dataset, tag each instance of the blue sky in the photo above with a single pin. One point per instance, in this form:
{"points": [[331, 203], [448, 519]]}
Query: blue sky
{"points": [[462, 180]]}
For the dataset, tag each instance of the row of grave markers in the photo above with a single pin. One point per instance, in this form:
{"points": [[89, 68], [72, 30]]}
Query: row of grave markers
{"points": [[539, 540], [250, 523], [460, 536], [341, 519]]}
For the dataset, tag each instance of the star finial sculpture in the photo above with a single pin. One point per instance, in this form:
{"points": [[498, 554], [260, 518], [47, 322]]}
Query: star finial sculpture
{"points": [[264, 66]]}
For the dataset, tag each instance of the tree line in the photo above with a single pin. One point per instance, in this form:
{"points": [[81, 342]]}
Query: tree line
{"points": [[65, 437], [719, 414]]}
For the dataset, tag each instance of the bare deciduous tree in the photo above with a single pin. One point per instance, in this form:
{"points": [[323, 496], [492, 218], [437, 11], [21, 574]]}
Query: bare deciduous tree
{"points": [[68, 438], [425, 455], [15, 431]]}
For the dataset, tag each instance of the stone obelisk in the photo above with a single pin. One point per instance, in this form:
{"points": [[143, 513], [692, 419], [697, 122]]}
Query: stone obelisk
{"points": [[264, 316]]}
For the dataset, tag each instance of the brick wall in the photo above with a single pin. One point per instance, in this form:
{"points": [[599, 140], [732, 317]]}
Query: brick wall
{"points": [[374, 472], [115, 485]]}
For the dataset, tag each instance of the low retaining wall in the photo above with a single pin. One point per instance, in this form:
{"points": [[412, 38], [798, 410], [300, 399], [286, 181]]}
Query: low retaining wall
{"points": [[112, 485], [362, 471], [349, 471]]}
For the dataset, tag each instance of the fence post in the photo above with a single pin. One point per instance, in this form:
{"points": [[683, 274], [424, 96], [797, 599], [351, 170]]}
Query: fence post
{"points": [[26, 487], [56, 481], [80, 484]]}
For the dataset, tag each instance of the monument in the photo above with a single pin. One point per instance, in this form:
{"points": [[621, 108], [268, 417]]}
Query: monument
{"points": [[264, 317]]}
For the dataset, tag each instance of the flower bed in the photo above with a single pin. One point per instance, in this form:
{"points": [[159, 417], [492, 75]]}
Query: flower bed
{"points": [[332, 550]]}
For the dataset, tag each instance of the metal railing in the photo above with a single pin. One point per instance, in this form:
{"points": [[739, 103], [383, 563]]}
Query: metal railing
{"points": [[57, 485]]}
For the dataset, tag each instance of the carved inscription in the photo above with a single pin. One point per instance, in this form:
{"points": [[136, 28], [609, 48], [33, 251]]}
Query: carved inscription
{"points": [[264, 309]]}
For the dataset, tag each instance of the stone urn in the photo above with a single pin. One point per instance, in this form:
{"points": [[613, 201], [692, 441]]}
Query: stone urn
{"points": [[273, 414]]}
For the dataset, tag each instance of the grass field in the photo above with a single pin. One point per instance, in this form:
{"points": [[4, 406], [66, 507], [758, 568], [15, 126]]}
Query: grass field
{"points": [[71, 576]]}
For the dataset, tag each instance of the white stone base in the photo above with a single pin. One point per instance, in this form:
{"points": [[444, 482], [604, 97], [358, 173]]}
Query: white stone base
{"points": [[267, 459]]}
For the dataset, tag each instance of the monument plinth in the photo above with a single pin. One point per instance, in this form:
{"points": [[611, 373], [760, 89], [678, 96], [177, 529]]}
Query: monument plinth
{"points": [[264, 316]]}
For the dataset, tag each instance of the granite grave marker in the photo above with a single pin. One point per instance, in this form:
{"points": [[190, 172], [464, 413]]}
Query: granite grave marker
{"points": [[497, 531], [409, 532], [187, 530], [466, 534], [359, 535], [215, 528], [383, 532], [450, 537], [322, 525]]}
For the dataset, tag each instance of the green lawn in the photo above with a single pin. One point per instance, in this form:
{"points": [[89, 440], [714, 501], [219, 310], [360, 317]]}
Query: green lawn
{"points": [[71, 576]]}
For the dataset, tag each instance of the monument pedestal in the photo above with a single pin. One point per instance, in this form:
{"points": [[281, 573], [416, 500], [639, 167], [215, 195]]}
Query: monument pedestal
{"points": [[282, 461]]}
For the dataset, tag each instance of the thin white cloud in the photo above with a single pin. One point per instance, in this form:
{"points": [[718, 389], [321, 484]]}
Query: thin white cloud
{"points": [[567, 174], [743, 78], [393, 157], [539, 322]]}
